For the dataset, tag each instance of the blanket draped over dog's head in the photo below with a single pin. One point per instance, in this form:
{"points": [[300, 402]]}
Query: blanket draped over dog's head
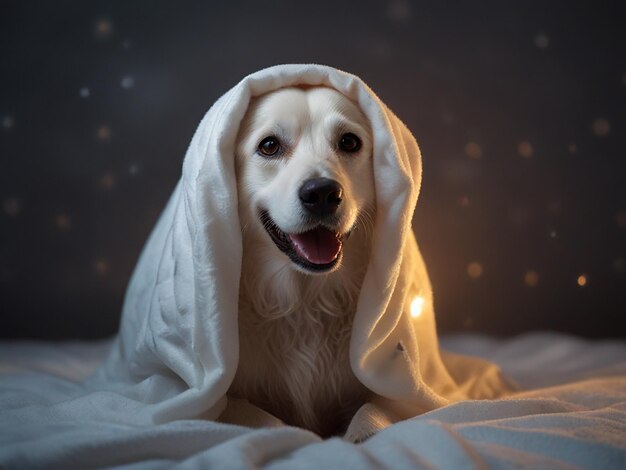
{"points": [[177, 350]]}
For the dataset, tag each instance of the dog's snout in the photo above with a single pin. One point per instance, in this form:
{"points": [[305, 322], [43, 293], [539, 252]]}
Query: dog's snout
{"points": [[321, 196]]}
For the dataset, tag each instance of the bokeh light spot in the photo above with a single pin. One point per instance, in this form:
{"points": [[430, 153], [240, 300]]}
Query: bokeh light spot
{"points": [[103, 28], [12, 206], [474, 270], [473, 150], [103, 133], [63, 222], [8, 122], [84, 92], [525, 149], [101, 266], [127, 82], [582, 280], [399, 10], [134, 169], [531, 278], [541, 40], [601, 127], [108, 181]]}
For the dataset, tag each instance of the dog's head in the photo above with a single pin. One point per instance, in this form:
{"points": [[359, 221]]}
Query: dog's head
{"points": [[305, 178]]}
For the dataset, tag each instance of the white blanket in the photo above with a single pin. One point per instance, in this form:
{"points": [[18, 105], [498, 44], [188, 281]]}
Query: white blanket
{"points": [[576, 420], [177, 350], [164, 381]]}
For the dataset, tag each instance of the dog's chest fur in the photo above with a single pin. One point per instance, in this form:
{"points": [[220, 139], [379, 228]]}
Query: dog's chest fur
{"points": [[294, 333]]}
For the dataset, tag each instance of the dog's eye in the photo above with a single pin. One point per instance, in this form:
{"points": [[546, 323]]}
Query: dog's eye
{"points": [[349, 143], [269, 146]]}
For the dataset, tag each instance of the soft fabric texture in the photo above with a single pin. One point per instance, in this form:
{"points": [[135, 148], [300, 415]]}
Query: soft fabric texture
{"points": [[577, 419], [165, 378], [176, 353]]}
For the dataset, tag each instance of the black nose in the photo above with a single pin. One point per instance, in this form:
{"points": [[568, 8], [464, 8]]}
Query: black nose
{"points": [[321, 196]]}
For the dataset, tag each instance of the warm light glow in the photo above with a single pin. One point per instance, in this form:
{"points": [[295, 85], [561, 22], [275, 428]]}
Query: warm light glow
{"points": [[531, 278], [542, 40], [103, 28], [108, 181], [473, 150], [417, 306], [601, 127], [101, 266], [582, 280], [525, 149], [474, 270], [63, 222], [104, 133]]}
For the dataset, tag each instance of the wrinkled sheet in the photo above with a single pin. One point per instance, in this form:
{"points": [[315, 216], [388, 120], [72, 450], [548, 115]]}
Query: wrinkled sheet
{"points": [[572, 415]]}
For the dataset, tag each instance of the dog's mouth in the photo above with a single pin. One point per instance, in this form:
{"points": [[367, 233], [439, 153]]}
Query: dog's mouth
{"points": [[318, 249]]}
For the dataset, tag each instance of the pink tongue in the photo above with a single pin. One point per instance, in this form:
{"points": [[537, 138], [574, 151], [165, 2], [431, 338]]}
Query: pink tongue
{"points": [[318, 246]]}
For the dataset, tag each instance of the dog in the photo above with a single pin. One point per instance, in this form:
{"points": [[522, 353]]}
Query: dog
{"points": [[307, 208]]}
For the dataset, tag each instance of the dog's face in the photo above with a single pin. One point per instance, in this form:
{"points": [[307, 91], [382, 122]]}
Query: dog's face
{"points": [[305, 178]]}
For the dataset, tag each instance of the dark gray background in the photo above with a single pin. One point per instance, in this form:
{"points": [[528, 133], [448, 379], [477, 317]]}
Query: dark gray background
{"points": [[98, 101]]}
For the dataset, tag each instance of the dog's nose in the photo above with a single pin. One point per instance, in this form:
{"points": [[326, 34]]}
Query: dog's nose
{"points": [[321, 196]]}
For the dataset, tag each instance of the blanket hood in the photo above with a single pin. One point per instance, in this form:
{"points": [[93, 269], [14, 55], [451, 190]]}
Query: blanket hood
{"points": [[177, 350]]}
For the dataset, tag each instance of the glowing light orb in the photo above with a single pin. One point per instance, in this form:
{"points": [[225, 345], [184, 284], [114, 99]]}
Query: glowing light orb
{"points": [[474, 270], [103, 133], [417, 306], [127, 82], [12, 206], [399, 10], [542, 40], [531, 278], [464, 201], [103, 28], [108, 181], [101, 266], [525, 149], [8, 122], [473, 150], [601, 127], [63, 222], [582, 280]]}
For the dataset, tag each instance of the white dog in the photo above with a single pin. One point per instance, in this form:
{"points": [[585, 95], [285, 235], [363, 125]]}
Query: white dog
{"points": [[306, 204]]}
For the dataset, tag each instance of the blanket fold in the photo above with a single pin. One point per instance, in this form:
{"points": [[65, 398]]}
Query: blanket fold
{"points": [[177, 349]]}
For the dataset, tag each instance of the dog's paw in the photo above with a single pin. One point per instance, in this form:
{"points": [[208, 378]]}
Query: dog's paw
{"points": [[367, 421], [358, 436]]}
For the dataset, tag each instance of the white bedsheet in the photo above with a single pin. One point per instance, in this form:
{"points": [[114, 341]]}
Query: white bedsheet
{"points": [[574, 417]]}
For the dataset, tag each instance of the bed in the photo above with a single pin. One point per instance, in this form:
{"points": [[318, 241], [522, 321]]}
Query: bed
{"points": [[571, 413], [153, 396]]}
